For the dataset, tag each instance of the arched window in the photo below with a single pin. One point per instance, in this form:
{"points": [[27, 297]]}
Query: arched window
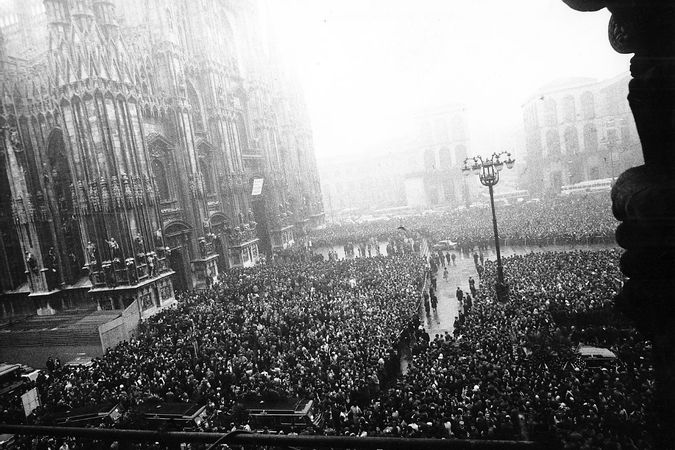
{"points": [[429, 160], [240, 130], [550, 112], [625, 131], [571, 141], [207, 175], [197, 118], [530, 117], [161, 180], [533, 143], [460, 154], [587, 105], [590, 138], [553, 142], [444, 158], [569, 109]]}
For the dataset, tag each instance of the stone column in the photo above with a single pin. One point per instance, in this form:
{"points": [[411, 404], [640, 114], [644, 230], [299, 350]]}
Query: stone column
{"points": [[643, 198]]}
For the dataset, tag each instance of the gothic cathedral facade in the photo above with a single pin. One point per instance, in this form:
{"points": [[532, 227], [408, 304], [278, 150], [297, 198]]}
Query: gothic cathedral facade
{"points": [[144, 147]]}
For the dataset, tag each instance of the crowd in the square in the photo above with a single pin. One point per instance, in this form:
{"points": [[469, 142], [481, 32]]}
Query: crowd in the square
{"points": [[326, 331], [579, 219], [511, 372], [333, 331]]}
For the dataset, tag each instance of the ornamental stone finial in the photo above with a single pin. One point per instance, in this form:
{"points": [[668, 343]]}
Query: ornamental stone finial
{"points": [[643, 198]]}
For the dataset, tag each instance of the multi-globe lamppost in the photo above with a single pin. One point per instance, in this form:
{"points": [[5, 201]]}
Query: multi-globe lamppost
{"points": [[488, 172]]}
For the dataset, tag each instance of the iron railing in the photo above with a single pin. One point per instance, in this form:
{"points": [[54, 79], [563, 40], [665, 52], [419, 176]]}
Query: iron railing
{"points": [[243, 438]]}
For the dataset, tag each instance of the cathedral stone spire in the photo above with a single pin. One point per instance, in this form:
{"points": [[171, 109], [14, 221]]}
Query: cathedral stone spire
{"points": [[58, 12], [104, 11], [83, 15]]}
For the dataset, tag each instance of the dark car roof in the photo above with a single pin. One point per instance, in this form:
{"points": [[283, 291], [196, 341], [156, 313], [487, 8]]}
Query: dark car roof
{"points": [[86, 412], [171, 409], [289, 406]]}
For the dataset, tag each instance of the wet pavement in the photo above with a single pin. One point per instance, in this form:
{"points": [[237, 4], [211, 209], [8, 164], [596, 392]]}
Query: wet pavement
{"points": [[442, 319]]}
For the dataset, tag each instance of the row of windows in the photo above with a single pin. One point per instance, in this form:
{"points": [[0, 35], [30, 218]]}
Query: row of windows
{"points": [[571, 139], [166, 190], [445, 158], [569, 110]]}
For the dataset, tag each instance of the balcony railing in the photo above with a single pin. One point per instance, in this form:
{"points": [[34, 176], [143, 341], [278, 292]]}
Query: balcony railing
{"points": [[127, 272], [174, 438]]}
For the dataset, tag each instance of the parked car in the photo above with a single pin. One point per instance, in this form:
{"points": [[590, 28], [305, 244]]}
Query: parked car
{"points": [[287, 415], [181, 416], [89, 415], [445, 245], [596, 356]]}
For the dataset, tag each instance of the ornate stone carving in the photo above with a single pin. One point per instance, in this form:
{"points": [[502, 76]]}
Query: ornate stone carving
{"points": [[31, 263], [15, 139], [105, 195], [643, 198], [116, 191]]}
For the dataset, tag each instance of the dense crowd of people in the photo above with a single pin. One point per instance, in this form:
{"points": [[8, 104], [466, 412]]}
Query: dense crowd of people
{"points": [[332, 331], [327, 331], [511, 372], [571, 219]]}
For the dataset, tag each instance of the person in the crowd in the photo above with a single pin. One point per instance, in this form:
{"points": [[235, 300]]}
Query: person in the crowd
{"points": [[332, 330], [582, 219]]}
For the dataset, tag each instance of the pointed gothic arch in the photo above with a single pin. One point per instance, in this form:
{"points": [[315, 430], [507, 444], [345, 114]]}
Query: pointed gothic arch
{"points": [[429, 159], [61, 196], [162, 166], [197, 111], [444, 158]]}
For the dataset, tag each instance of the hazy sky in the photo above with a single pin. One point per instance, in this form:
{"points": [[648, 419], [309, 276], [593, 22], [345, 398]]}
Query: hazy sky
{"points": [[367, 65]]}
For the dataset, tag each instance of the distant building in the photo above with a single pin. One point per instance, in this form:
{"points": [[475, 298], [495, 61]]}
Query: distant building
{"points": [[419, 171], [363, 183], [435, 158], [578, 129]]}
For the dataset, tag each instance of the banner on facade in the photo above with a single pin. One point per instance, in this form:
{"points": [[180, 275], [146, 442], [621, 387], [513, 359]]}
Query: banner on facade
{"points": [[30, 401], [257, 186]]}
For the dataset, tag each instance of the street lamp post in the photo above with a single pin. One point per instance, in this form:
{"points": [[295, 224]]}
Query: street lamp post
{"points": [[488, 172]]}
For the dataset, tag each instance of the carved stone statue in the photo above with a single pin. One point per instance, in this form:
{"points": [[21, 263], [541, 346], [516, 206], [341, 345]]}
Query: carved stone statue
{"points": [[15, 139], [158, 238], [138, 242], [51, 263], [92, 252], [202, 247], [114, 248], [643, 197], [31, 262]]}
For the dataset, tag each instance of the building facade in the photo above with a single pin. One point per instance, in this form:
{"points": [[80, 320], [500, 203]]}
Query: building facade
{"points": [[579, 129], [144, 147], [437, 153], [363, 183], [419, 170]]}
